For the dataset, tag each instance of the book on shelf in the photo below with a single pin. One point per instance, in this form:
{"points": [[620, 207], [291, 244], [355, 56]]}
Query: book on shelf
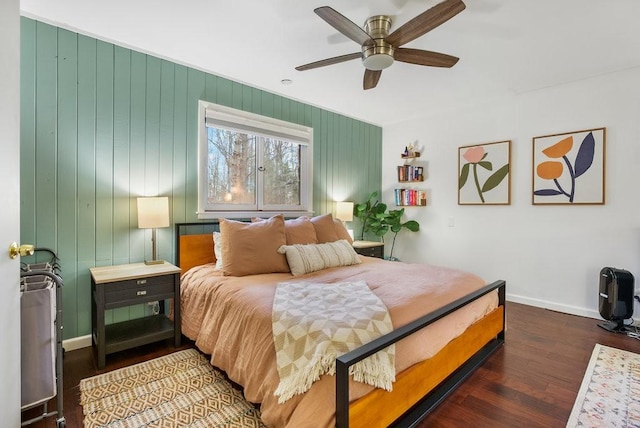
{"points": [[410, 173], [410, 197]]}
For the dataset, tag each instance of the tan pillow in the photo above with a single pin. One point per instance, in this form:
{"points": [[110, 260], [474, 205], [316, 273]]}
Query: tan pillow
{"points": [[300, 231], [341, 231], [325, 229], [252, 248], [297, 230], [314, 257]]}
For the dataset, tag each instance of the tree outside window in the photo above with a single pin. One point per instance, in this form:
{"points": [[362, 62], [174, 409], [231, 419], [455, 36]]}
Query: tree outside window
{"points": [[250, 166]]}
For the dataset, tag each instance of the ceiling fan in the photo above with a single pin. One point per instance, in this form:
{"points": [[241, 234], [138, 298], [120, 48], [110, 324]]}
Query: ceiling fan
{"points": [[379, 49]]}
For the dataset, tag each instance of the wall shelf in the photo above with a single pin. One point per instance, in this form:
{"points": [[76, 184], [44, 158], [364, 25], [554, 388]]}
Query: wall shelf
{"points": [[410, 198], [411, 156], [410, 172]]}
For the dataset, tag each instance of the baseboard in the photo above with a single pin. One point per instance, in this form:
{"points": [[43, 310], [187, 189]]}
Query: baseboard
{"points": [[567, 309], [77, 343]]}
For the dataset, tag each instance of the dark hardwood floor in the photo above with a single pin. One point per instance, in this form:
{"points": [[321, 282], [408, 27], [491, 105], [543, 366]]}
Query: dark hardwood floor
{"points": [[532, 381]]}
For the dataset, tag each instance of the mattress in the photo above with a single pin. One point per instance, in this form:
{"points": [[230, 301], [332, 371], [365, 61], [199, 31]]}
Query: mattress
{"points": [[229, 318]]}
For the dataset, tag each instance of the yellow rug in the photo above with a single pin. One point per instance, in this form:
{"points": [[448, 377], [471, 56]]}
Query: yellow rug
{"points": [[180, 389], [610, 392]]}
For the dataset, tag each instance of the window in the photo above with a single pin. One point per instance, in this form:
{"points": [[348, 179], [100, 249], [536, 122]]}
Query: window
{"points": [[252, 165]]}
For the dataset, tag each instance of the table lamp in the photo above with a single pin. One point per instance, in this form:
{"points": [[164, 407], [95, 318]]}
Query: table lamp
{"points": [[153, 212], [344, 213]]}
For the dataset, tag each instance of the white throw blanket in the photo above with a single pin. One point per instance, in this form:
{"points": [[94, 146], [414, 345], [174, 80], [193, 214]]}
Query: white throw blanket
{"points": [[315, 323]]}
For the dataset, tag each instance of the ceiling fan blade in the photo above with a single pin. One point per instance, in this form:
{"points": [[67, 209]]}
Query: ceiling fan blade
{"points": [[371, 78], [344, 25], [429, 58], [329, 61], [425, 22]]}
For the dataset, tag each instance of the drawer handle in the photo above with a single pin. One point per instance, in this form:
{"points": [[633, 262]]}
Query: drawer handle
{"points": [[141, 293], [141, 281]]}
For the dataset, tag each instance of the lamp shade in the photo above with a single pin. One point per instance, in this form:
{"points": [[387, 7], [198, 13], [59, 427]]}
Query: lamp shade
{"points": [[344, 211], [153, 212]]}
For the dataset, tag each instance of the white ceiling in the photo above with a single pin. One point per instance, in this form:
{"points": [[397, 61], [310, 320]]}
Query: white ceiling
{"points": [[505, 46]]}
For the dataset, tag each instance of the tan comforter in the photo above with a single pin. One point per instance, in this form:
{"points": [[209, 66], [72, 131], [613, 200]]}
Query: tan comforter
{"points": [[230, 318]]}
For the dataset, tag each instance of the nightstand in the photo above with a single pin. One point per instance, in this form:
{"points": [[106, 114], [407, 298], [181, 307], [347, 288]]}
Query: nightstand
{"points": [[369, 248], [133, 284]]}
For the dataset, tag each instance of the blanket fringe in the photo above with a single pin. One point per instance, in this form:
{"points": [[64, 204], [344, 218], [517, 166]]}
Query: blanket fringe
{"points": [[369, 371]]}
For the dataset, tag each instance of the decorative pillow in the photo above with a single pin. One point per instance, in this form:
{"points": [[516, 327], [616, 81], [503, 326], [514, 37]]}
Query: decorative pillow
{"points": [[298, 230], [252, 248], [217, 250], [313, 257], [325, 229], [341, 231]]}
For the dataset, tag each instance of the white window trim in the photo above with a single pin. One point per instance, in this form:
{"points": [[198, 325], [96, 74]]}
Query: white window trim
{"points": [[299, 133]]}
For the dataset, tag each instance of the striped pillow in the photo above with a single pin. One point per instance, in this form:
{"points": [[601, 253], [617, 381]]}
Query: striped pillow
{"points": [[314, 257]]}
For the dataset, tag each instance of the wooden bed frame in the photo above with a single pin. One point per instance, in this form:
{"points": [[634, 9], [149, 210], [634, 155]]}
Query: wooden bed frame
{"points": [[417, 390]]}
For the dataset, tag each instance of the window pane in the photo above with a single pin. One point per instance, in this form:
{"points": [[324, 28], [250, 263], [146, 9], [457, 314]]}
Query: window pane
{"points": [[281, 162], [231, 167], [249, 163]]}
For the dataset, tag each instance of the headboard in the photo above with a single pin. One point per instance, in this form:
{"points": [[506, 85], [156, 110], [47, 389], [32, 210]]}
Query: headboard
{"points": [[194, 244]]}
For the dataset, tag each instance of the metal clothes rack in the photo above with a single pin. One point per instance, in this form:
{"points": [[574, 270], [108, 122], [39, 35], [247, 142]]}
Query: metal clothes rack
{"points": [[41, 337]]}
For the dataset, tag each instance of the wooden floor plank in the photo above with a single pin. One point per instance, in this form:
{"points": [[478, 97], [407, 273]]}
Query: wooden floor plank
{"points": [[540, 369], [531, 381]]}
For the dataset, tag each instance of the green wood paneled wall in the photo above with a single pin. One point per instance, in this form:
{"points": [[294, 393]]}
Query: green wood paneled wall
{"points": [[101, 125]]}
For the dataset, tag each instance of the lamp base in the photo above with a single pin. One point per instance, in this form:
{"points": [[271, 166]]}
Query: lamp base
{"points": [[153, 262]]}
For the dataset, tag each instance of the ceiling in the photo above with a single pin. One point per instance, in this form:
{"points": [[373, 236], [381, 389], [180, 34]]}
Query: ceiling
{"points": [[505, 46]]}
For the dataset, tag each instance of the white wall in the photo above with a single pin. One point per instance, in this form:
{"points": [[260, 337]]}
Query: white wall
{"points": [[550, 256]]}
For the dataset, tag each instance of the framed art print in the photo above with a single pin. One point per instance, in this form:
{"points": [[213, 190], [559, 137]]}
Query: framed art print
{"points": [[484, 174], [569, 168]]}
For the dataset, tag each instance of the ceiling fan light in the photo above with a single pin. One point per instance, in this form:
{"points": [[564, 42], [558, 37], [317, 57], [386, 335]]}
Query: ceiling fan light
{"points": [[378, 56], [377, 61]]}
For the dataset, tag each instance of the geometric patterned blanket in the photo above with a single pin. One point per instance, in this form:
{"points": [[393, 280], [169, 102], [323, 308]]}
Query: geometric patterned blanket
{"points": [[313, 324]]}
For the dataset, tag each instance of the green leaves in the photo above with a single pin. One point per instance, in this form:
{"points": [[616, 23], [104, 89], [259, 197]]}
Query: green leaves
{"points": [[375, 219], [495, 179], [412, 225], [369, 214], [492, 181], [486, 165], [464, 174]]}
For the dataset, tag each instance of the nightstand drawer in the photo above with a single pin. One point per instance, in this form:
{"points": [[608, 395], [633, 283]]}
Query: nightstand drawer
{"points": [[133, 291]]}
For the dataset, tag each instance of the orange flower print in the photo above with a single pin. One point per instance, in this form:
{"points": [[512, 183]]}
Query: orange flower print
{"points": [[549, 170], [560, 148], [553, 170]]}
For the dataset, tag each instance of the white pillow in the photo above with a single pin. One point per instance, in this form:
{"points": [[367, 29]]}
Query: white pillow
{"points": [[313, 257], [217, 250]]}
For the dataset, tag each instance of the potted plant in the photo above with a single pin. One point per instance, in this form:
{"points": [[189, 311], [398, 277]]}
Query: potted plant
{"points": [[375, 219], [370, 213], [393, 220]]}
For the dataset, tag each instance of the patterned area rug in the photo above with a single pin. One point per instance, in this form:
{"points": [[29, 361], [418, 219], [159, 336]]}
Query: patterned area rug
{"points": [[180, 389], [610, 392]]}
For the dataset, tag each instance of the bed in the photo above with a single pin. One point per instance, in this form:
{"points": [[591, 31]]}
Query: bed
{"points": [[429, 363]]}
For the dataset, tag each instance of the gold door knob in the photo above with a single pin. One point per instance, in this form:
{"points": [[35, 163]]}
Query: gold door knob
{"points": [[22, 250]]}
